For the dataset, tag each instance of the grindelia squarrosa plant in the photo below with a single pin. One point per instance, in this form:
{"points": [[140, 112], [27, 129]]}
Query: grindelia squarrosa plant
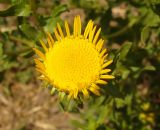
{"points": [[75, 63]]}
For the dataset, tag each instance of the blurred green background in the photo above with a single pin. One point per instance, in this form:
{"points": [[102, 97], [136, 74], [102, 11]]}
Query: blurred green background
{"points": [[131, 29]]}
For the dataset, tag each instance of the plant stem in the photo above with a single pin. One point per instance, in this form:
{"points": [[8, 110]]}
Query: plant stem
{"points": [[23, 41], [123, 30]]}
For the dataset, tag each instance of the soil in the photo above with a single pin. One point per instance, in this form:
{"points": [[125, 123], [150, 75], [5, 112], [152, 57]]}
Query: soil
{"points": [[31, 107]]}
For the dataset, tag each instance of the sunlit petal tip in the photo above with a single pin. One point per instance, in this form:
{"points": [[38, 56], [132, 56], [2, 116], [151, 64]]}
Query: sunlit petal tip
{"points": [[79, 25], [91, 34], [102, 53], [107, 77], [60, 30], [105, 56], [57, 35], [93, 85], [39, 53], [75, 27], [49, 42], [95, 91], [70, 95], [107, 63], [101, 82], [96, 36], [67, 28], [43, 45], [99, 45], [85, 93], [88, 28], [104, 71], [50, 39], [75, 94], [39, 64], [43, 78], [40, 71]]}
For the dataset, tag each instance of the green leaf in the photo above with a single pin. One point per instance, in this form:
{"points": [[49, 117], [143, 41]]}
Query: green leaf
{"points": [[1, 50], [51, 24], [151, 68], [61, 96], [16, 1], [145, 34], [154, 1], [17, 10], [150, 18], [104, 111], [58, 10], [120, 102], [53, 90], [134, 68], [154, 4], [124, 50], [30, 32]]}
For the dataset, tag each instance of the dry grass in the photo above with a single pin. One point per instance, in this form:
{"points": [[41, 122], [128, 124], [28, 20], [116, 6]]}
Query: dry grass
{"points": [[31, 107]]}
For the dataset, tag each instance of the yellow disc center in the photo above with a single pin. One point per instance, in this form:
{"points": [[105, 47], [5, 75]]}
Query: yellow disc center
{"points": [[72, 63]]}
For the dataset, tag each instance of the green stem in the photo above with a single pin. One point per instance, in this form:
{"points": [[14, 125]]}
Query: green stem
{"points": [[23, 41], [118, 33], [123, 30]]}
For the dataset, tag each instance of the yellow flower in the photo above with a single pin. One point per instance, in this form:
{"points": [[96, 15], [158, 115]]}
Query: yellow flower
{"points": [[147, 117], [145, 106], [75, 63]]}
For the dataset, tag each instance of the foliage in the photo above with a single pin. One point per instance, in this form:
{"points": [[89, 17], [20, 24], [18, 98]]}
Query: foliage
{"points": [[132, 33]]}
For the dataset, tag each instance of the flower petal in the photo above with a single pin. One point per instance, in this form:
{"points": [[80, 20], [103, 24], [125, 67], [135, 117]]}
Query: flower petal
{"points": [[104, 71], [85, 93], [101, 82], [107, 63], [67, 28], [96, 36], [107, 77], [60, 30], [39, 53]]}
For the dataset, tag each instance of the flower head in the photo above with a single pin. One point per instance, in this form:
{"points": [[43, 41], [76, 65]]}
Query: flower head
{"points": [[75, 63]]}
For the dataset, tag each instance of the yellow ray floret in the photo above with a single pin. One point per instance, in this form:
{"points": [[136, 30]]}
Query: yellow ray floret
{"points": [[76, 62]]}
